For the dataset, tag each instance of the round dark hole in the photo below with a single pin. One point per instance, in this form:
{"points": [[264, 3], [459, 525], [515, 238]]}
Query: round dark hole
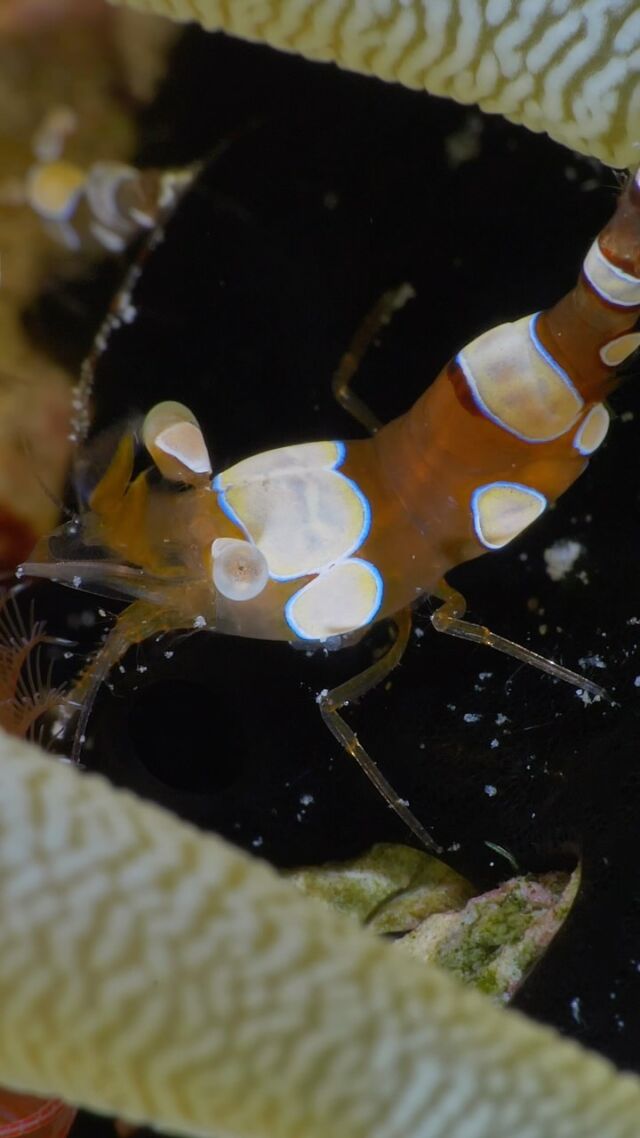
{"points": [[172, 727]]}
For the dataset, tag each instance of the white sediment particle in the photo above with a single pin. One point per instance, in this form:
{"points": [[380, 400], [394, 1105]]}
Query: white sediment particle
{"points": [[592, 661], [306, 799], [576, 1009], [585, 697], [494, 743], [490, 790], [472, 716], [636, 682], [199, 622], [465, 144], [501, 719], [561, 557]]}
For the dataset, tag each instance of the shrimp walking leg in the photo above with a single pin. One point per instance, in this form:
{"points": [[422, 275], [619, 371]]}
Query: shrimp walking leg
{"points": [[450, 619], [381, 313], [137, 623], [331, 702]]}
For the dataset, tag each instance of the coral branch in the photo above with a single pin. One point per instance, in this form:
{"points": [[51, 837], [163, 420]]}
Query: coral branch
{"points": [[569, 69], [154, 972]]}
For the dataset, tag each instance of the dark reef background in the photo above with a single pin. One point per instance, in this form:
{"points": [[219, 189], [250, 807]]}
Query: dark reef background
{"points": [[328, 190]]}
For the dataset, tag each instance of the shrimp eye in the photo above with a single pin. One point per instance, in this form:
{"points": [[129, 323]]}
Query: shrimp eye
{"points": [[240, 570], [174, 440]]}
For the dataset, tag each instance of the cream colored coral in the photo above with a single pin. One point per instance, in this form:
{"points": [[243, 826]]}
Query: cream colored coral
{"points": [[154, 972], [568, 67]]}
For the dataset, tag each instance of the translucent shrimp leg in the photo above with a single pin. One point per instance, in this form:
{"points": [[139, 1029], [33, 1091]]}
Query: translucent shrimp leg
{"points": [[138, 622], [450, 619], [330, 703], [381, 313]]}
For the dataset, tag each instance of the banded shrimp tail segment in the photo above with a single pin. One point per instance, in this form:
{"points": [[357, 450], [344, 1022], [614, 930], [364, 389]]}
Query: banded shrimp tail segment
{"points": [[591, 331]]}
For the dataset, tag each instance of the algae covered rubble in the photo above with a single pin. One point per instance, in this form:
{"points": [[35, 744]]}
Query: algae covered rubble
{"points": [[491, 941]]}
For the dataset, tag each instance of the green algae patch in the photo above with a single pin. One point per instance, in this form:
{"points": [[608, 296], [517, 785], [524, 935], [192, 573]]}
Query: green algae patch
{"points": [[494, 941], [391, 888], [490, 941]]}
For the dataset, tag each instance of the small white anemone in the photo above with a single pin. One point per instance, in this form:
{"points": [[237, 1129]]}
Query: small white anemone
{"points": [[240, 570]]}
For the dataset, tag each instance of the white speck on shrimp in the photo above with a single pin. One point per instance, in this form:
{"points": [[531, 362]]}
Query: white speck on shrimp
{"points": [[199, 621], [322, 695]]}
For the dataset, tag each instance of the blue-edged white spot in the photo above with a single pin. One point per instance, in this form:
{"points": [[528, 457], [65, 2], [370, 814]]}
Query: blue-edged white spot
{"points": [[344, 598], [502, 510], [617, 351], [517, 383], [611, 283], [592, 430], [301, 513]]}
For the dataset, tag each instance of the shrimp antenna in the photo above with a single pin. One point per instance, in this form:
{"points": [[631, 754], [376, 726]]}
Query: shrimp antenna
{"points": [[64, 510]]}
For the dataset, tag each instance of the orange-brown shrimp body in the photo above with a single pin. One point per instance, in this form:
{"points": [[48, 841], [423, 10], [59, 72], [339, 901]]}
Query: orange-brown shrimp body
{"points": [[315, 542]]}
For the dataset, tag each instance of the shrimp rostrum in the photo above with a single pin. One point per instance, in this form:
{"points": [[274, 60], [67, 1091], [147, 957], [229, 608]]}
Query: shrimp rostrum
{"points": [[315, 543]]}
